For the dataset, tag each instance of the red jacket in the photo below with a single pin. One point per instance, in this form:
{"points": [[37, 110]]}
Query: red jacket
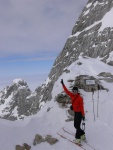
{"points": [[78, 103]]}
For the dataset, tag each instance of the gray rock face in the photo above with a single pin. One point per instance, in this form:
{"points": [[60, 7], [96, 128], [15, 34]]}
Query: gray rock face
{"points": [[86, 40], [15, 102], [38, 139], [51, 140], [107, 76], [98, 8], [24, 147]]}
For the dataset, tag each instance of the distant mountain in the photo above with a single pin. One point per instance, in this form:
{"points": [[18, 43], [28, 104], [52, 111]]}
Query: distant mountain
{"points": [[16, 100], [92, 36]]}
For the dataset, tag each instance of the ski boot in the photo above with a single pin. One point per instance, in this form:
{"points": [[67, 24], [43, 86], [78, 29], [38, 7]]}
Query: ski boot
{"points": [[83, 138], [77, 141]]}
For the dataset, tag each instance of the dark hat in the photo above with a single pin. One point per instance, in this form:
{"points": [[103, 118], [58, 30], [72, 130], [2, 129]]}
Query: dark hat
{"points": [[75, 88]]}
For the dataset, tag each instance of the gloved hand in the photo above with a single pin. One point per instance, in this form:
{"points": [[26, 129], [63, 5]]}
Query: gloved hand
{"points": [[62, 82], [83, 118]]}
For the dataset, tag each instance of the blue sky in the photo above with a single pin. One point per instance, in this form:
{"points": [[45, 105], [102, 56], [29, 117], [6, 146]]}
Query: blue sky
{"points": [[33, 33], [29, 64]]}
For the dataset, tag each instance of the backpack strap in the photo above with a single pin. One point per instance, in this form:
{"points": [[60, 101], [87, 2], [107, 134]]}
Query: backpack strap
{"points": [[75, 99]]}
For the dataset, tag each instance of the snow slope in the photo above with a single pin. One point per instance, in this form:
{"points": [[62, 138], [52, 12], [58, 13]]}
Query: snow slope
{"points": [[99, 133]]}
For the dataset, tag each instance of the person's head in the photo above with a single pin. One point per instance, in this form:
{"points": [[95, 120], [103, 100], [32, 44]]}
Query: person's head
{"points": [[75, 89]]}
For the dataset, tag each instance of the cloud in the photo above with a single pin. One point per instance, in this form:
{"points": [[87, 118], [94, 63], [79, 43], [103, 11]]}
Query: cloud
{"points": [[32, 26], [29, 59]]}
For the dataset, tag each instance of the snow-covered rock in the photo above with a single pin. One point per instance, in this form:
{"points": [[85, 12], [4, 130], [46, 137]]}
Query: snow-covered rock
{"points": [[13, 100]]}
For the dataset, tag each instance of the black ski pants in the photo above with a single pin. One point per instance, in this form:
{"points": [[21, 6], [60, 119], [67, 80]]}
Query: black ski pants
{"points": [[77, 124]]}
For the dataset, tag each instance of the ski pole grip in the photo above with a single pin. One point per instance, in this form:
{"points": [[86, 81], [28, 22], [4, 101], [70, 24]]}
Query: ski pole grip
{"points": [[83, 125]]}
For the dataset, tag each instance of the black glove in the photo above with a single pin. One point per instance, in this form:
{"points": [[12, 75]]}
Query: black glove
{"points": [[62, 82], [83, 118]]}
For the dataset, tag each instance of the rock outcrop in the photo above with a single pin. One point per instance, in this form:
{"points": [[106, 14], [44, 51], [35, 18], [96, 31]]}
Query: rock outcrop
{"points": [[16, 101], [49, 139], [86, 40]]}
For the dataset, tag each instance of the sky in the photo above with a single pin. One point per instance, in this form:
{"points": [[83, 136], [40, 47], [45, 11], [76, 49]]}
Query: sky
{"points": [[33, 33]]}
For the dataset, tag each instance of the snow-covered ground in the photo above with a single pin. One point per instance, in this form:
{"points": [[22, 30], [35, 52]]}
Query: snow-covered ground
{"points": [[99, 133]]}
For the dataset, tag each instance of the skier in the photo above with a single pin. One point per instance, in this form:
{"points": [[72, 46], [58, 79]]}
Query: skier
{"points": [[78, 108]]}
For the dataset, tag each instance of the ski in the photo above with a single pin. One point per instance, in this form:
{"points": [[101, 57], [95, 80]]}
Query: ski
{"points": [[74, 135], [79, 145], [67, 131]]}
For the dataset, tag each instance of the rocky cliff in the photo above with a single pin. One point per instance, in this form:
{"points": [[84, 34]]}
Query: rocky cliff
{"points": [[16, 101], [87, 39]]}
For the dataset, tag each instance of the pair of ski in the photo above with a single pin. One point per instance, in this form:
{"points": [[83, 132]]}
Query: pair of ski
{"points": [[79, 145]]}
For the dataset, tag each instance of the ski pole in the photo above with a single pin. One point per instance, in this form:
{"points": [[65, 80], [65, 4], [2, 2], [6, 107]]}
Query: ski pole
{"points": [[93, 103], [83, 125], [98, 100]]}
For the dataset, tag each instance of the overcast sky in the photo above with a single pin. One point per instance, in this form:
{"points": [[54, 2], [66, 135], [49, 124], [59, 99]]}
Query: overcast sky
{"points": [[33, 33]]}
